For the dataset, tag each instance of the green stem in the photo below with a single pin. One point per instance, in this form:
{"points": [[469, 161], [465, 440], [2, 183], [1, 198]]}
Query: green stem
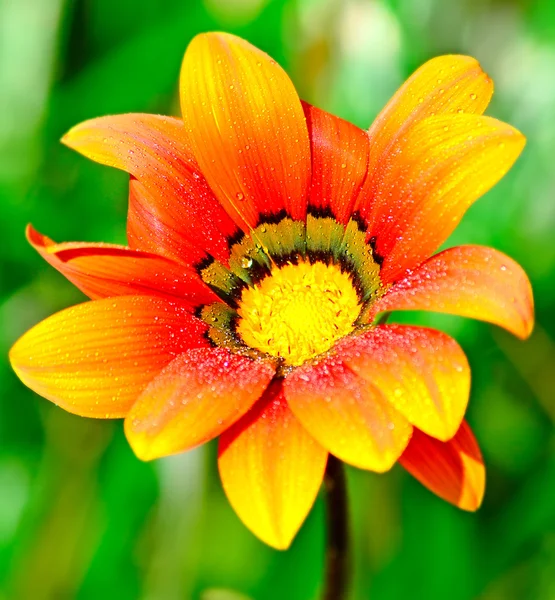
{"points": [[337, 547]]}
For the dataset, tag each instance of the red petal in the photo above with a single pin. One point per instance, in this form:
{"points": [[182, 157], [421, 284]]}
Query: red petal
{"points": [[271, 469], [347, 415], [106, 270], [247, 128], [453, 470], [196, 397], [95, 359], [339, 162], [423, 373], [172, 210], [470, 281]]}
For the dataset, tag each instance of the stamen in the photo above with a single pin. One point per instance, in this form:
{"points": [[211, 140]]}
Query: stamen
{"points": [[298, 311]]}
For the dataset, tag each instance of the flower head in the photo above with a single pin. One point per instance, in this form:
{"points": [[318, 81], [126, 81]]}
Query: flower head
{"points": [[266, 237]]}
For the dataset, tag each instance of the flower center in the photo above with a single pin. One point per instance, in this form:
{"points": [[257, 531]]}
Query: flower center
{"points": [[298, 311]]}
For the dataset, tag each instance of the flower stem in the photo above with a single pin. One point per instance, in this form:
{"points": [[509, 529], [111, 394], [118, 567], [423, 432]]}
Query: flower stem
{"points": [[337, 545]]}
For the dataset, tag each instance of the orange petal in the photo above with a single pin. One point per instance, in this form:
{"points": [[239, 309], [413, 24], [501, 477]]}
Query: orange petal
{"points": [[440, 167], [453, 470], [106, 270], [422, 372], [196, 397], [445, 85], [271, 469], [339, 162], [347, 415], [471, 281], [95, 359], [247, 128], [178, 208]]}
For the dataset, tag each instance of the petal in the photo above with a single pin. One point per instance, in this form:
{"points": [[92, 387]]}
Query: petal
{"points": [[271, 469], [95, 359], [347, 415], [450, 84], [247, 128], [438, 170], [106, 270], [339, 162], [453, 470], [422, 372], [196, 397], [173, 202], [471, 281]]}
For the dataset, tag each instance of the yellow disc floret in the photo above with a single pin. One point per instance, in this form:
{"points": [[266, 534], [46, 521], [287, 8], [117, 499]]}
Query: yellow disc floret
{"points": [[298, 311]]}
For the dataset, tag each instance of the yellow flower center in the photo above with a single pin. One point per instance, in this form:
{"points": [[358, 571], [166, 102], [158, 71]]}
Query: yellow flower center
{"points": [[298, 311]]}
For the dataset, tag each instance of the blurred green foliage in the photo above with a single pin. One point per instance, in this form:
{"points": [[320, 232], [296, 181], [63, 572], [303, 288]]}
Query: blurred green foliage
{"points": [[80, 516]]}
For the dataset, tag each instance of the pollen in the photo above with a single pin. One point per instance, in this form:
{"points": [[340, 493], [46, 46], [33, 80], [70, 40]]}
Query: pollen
{"points": [[298, 311]]}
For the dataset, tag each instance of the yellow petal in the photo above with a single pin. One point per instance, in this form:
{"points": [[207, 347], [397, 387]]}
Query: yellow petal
{"points": [[271, 469], [96, 358]]}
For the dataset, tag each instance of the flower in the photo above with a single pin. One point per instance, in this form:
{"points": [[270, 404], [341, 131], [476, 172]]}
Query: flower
{"points": [[266, 238]]}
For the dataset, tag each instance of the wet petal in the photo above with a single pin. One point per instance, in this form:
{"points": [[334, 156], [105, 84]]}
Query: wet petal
{"points": [[172, 210], [247, 128], [106, 270], [347, 415], [422, 372], [196, 397], [439, 168], [453, 470], [271, 469], [445, 85], [95, 359], [471, 281], [339, 162]]}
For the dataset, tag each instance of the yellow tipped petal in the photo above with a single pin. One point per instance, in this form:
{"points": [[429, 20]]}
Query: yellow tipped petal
{"points": [[453, 470], [271, 469]]}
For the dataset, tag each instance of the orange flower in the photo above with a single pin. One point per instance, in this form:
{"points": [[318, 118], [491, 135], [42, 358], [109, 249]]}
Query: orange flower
{"points": [[266, 236]]}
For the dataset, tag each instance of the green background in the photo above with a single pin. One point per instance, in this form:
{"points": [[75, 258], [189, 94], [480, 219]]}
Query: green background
{"points": [[80, 516]]}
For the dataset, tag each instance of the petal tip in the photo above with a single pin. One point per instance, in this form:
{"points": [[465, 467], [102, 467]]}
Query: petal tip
{"points": [[281, 543], [69, 138], [472, 496], [142, 447], [35, 238]]}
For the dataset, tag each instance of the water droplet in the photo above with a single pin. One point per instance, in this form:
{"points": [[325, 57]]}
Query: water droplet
{"points": [[246, 262], [240, 196], [473, 96]]}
